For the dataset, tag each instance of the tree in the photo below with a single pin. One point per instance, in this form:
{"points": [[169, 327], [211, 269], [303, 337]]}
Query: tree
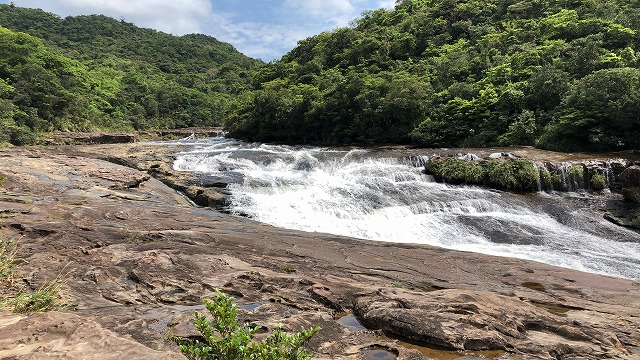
{"points": [[600, 112]]}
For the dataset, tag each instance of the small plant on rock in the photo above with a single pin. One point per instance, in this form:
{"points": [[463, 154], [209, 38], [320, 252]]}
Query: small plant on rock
{"points": [[288, 268], [226, 339]]}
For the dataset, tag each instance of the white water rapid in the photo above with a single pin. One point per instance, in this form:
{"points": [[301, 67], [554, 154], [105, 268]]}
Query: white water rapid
{"points": [[364, 194]]}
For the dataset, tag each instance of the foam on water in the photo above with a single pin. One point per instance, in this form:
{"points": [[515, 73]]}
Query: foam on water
{"points": [[364, 195]]}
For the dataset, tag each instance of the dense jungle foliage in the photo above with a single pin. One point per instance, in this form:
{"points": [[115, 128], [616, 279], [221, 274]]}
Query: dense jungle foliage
{"points": [[559, 74], [94, 72]]}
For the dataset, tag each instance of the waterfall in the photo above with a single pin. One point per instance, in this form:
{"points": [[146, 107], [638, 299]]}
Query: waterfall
{"points": [[371, 195]]}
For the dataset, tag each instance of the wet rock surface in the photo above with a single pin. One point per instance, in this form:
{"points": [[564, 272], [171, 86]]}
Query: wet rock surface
{"points": [[139, 257]]}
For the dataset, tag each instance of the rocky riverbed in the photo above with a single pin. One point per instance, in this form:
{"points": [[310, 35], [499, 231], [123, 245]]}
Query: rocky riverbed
{"points": [[137, 258]]}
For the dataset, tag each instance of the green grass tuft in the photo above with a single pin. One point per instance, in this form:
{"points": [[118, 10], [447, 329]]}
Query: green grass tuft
{"points": [[45, 298], [8, 251]]}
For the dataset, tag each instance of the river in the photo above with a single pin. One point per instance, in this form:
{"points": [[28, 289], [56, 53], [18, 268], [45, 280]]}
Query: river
{"points": [[379, 195]]}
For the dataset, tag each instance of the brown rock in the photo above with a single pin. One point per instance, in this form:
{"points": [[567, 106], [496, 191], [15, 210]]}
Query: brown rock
{"points": [[140, 268], [481, 320], [630, 179], [63, 335], [92, 138]]}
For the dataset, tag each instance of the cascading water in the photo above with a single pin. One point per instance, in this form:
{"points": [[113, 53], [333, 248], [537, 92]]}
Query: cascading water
{"points": [[366, 195]]}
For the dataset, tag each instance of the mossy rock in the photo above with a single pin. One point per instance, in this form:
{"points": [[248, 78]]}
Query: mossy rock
{"points": [[576, 175], [518, 175], [546, 179], [457, 171], [598, 182], [556, 182]]}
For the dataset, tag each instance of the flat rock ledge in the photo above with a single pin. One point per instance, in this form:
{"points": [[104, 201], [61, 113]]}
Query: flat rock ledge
{"points": [[482, 320], [56, 335], [137, 258]]}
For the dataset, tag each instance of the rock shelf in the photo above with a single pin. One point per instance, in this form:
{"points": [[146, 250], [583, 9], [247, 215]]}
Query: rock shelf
{"points": [[140, 257]]}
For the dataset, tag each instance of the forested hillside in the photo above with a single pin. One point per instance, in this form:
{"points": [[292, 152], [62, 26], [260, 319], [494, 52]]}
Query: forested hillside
{"points": [[94, 72], [560, 74]]}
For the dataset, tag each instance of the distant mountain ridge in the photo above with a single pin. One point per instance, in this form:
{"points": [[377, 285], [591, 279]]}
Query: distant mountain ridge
{"points": [[559, 74], [95, 72]]}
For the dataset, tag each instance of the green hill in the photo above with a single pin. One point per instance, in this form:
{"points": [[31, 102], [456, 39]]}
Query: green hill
{"points": [[94, 72], [560, 74]]}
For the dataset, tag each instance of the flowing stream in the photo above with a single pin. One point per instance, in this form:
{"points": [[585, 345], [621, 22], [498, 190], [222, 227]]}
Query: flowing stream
{"points": [[372, 195]]}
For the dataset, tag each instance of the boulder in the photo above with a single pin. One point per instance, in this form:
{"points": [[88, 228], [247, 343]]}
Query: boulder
{"points": [[464, 320], [630, 179], [502, 155], [468, 157], [216, 180]]}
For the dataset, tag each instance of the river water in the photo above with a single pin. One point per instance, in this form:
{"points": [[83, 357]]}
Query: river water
{"points": [[378, 195]]}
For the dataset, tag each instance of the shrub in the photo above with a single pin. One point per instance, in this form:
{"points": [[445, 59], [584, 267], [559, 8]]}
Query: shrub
{"points": [[226, 339], [288, 268], [598, 182]]}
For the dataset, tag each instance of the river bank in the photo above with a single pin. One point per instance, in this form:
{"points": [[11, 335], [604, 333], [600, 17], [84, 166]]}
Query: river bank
{"points": [[141, 257]]}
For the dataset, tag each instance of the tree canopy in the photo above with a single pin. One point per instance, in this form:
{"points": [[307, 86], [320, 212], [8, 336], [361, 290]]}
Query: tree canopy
{"points": [[559, 74], [94, 72]]}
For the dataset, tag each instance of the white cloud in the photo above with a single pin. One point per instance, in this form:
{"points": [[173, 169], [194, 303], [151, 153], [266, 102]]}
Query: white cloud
{"points": [[387, 4], [172, 16], [258, 28], [323, 8], [260, 40], [334, 13]]}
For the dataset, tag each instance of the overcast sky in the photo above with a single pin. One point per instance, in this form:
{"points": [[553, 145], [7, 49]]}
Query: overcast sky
{"points": [[264, 29]]}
